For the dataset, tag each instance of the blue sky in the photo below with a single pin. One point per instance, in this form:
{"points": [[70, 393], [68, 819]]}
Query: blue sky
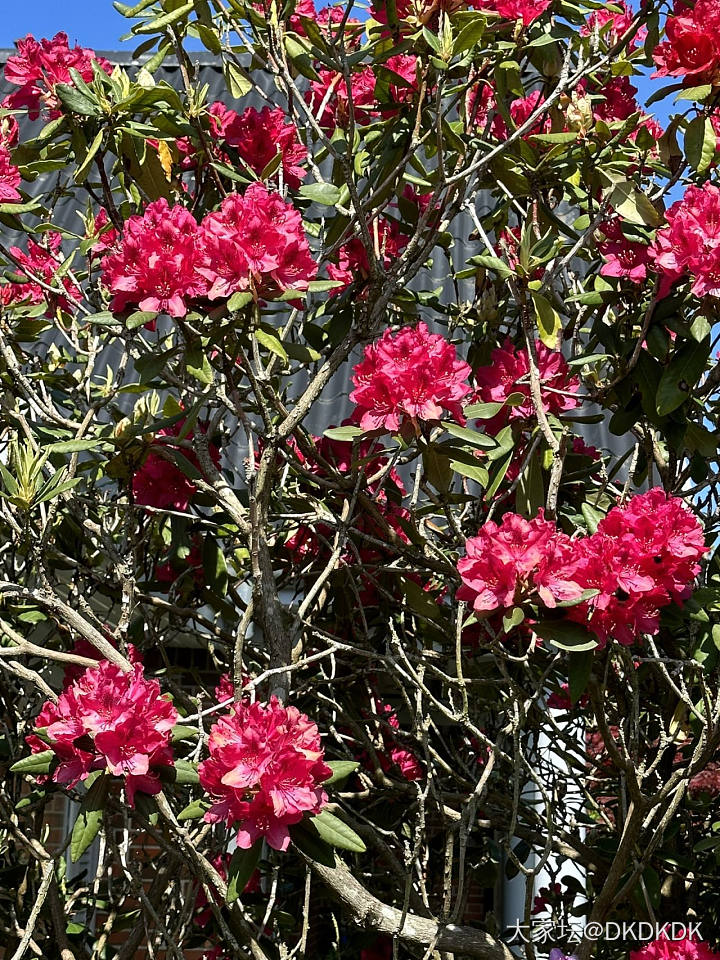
{"points": [[92, 23], [96, 23]]}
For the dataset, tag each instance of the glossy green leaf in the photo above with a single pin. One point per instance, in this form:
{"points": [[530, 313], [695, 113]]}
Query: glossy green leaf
{"points": [[89, 818]]}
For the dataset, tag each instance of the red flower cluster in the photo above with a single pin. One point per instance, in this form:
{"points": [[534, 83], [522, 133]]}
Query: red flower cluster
{"points": [[165, 260], [509, 373], [689, 948], [160, 483], [109, 720], [40, 262], [258, 136], [265, 771], [515, 561], [691, 48], [37, 68], [353, 264], [154, 265], [691, 241], [255, 241], [643, 556], [409, 376]]}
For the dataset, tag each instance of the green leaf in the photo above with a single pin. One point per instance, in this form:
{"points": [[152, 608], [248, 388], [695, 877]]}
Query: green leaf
{"points": [[214, 567], [180, 732], [700, 93], [89, 818], [341, 770], [306, 838], [321, 286], [700, 143], [210, 39], [19, 207], [271, 342], [344, 433], [337, 833], [483, 411], [84, 168], [436, 466], [77, 102], [530, 496], [140, 318], [159, 23], [681, 376], [73, 446], [242, 866], [470, 470], [475, 439], [194, 810], [633, 205], [564, 137], [239, 84], [548, 320], [493, 263], [186, 772], [591, 516], [566, 635], [300, 57], [36, 763], [197, 363], [513, 619], [580, 666], [326, 194], [471, 32], [239, 300]]}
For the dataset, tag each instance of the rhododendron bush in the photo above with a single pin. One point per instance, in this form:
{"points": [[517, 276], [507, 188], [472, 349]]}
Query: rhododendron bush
{"points": [[359, 483]]}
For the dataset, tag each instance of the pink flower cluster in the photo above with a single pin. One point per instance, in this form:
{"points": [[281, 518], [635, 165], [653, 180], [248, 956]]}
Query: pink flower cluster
{"points": [[515, 561], [623, 257], [265, 771], [409, 376], [643, 556], [691, 48], [9, 174], [165, 260], [37, 68], [688, 948], [258, 136], [526, 10], [154, 266], [508, 373], [40, 263], [691, 241], [109, 720], [160, 483]]}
